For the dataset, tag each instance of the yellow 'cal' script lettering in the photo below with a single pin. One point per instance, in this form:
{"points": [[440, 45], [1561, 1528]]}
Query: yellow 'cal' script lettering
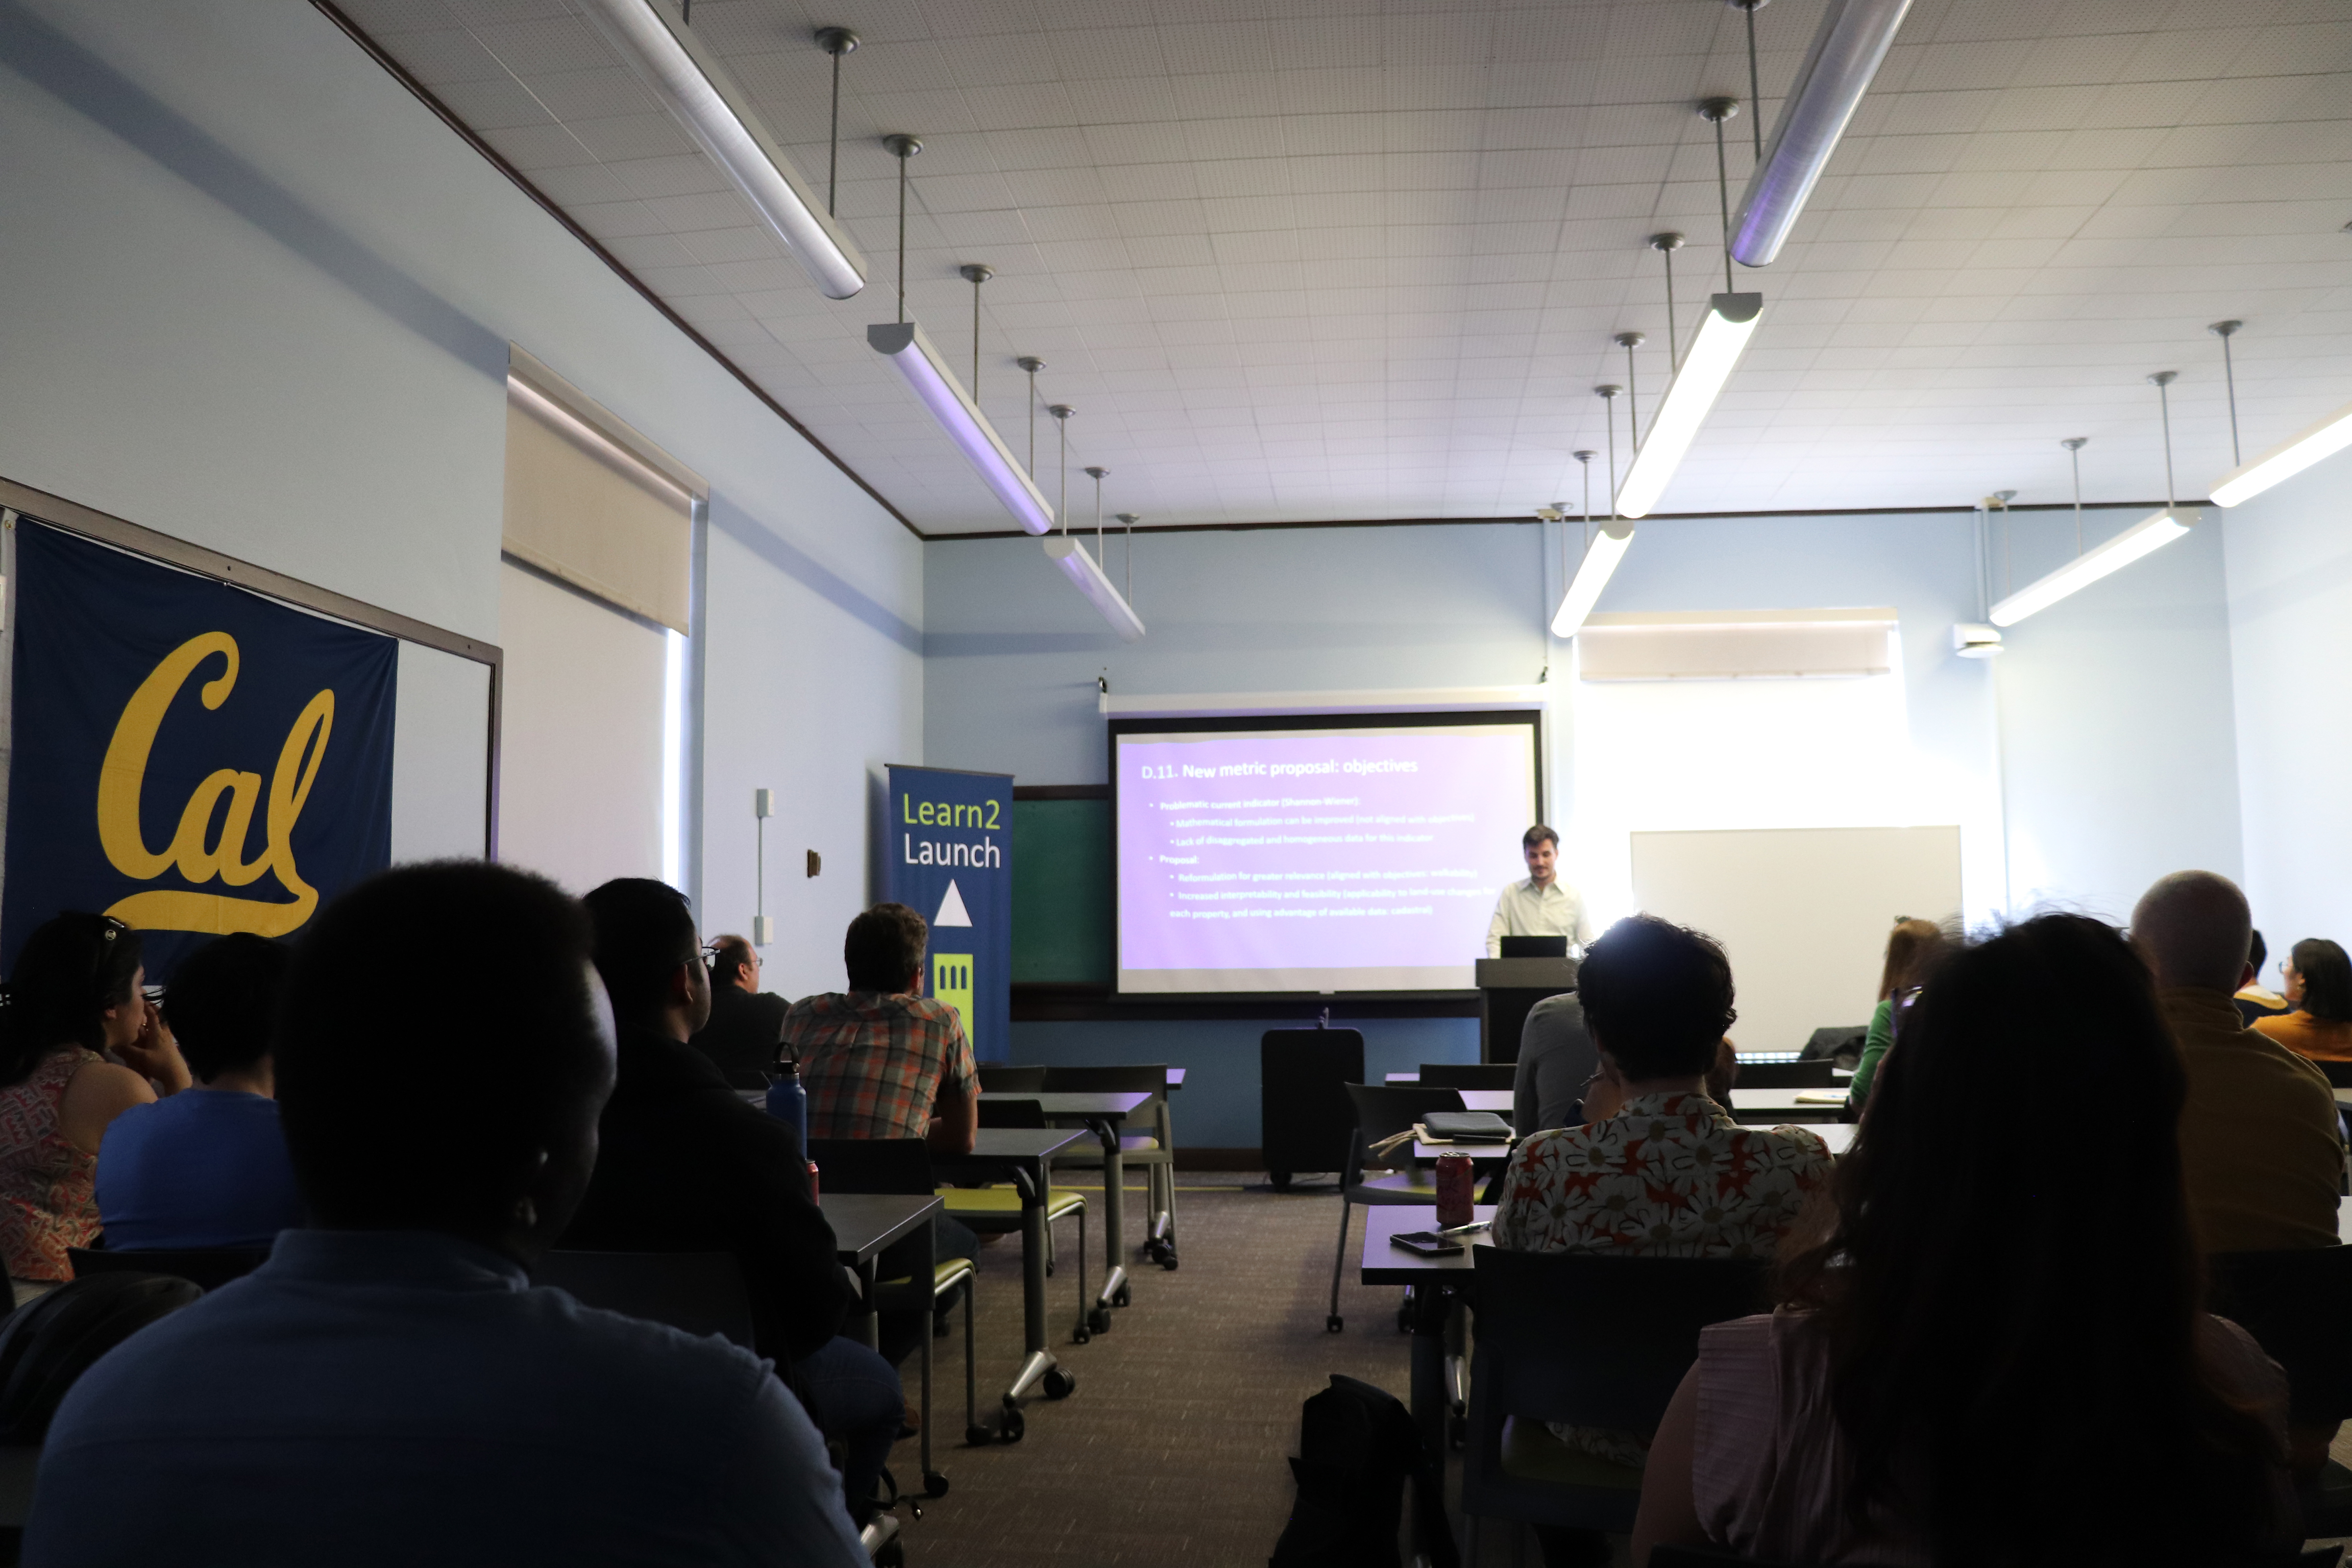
{"points": [[124, 772]]}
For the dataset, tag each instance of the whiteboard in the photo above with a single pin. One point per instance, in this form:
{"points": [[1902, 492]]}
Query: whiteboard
{"points": [[1804, 912]]}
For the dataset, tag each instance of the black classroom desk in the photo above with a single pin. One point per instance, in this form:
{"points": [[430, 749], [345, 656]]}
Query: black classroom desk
{"points": [[1433, 1286], [1103, 1113], [1020, 1154]]}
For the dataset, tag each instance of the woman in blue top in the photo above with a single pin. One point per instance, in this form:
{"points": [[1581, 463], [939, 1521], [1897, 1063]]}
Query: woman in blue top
{"points": [[208, 1167]]}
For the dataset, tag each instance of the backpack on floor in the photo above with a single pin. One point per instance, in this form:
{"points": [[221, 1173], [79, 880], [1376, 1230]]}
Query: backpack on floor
{"points": [[1357, 1448]]}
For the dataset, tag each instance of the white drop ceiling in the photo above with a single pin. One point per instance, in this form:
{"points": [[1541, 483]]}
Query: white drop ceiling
{"points": [[1314, 259]]}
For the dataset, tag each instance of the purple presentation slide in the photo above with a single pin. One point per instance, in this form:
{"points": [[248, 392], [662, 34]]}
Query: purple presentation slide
{"points": [[1333, 860]]}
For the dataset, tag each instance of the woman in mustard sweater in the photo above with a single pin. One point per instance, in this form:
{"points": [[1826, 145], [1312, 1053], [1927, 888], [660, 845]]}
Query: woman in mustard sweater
{"points": [[2319, 988]]}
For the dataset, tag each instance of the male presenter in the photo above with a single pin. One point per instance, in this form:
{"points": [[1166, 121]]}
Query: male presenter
{"points": [[1543, 905]]}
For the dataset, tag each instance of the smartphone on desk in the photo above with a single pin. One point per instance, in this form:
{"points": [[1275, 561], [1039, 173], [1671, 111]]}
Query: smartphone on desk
{"points": [[1427, 1243]]}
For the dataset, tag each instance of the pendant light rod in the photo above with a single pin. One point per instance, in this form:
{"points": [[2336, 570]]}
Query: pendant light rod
{"points": [[2225, 330], [1715, 111], [1629, 341], [1131, 519], [902, 147], [975, 273], [1607, 392], [1666, 245], [2074, 445], [1098, 475], [1755, 88], [697, 91], [2162, 381], [1584, 457], [1061, 413], [1033, 365], [1847, 50], [836, 42]]}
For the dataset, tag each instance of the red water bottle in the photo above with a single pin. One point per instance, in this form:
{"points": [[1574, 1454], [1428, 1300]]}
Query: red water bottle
{"points": [[1454, 1190], [812, 1191]]}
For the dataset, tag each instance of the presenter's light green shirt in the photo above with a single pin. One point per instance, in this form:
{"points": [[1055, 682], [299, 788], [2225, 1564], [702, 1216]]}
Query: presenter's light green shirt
{"points": [[1525, 911]]}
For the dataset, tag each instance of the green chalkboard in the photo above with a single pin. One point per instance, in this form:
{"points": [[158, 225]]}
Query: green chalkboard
{"points": [[1061, 892]]}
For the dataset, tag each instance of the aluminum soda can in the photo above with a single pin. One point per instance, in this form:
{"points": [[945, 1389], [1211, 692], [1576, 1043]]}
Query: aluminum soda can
{"points": [[1454, 1190]]}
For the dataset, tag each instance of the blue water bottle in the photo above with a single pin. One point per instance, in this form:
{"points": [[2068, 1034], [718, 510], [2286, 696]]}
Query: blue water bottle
{"points": [[787, 1101]]}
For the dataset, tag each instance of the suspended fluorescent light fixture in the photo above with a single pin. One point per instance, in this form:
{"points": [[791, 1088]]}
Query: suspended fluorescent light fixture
{"points": [[1714, 350], [2149, 534], [1848, 49], [2288, 458], [701, 97], [1592, 575], [904, 345], [1065, 550]]}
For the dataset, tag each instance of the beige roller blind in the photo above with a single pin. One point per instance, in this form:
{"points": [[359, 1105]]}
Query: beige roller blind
{"points": [[594, 503], [1732, 645]]}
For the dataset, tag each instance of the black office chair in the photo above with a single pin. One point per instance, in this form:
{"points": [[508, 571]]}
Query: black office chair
{"points": [[2295, 1305], [1382, 1112], [696, 1293], [1304, 1120], [1469, 1075], [1592, 1340], [908, 1276], [995, 1078], [2338, 1073], [996, 1211], [208, 1268], [1819, 1074]]}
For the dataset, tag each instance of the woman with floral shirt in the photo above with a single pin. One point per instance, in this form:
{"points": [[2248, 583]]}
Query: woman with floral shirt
{"points": [[1658, 1168]]}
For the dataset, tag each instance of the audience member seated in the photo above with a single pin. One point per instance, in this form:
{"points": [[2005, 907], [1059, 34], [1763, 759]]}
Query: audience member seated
{"points": [[2255, 999], [882, 1059], [208, 1167], [2319, 983], [686, 1165], [389, 1388], [745, 1022], [74, 993], [2260, 1149], [1993, 1352], [1911, 949], [1658, 1168], [1556, 1061]]}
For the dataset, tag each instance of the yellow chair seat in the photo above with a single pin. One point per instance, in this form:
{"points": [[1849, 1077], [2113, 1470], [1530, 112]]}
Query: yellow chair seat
{"points": [[1092, 1154], [1002, 1204], [942, 1276], [1530, 1453]]}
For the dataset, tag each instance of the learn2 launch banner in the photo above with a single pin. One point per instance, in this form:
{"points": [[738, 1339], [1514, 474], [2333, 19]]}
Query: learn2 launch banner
{"points": [[186, 756], [948, 855]]}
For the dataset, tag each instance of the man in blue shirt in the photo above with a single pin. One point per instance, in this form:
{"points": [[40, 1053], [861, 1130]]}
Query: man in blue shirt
{"points": [[207, 1167], [389, 1388]]}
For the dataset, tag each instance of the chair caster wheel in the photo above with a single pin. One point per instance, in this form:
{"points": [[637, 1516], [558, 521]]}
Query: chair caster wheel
{"points": [[1122, 1296], [1081, 1335], [1279, 1180], [934, 1484], [1334, 1324], [1060, 1384], [1168, 1260], [1014, 1428], [1099, 1319], [978, 1437]]}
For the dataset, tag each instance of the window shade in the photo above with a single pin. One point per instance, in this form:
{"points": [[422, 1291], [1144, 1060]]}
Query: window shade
{"points": [[592, 502], [1731, 644]]}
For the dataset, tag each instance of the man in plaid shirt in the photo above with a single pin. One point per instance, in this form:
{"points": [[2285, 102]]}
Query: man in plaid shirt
{"points": [[883, 1060]]}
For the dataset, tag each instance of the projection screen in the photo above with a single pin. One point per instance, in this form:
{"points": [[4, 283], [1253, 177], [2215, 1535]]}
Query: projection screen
{"points": [[1340, 855]]}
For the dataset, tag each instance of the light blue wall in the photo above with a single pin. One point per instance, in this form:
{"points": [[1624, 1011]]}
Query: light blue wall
{"points": [[255, 295], [2109, 740], [2290, 554]]}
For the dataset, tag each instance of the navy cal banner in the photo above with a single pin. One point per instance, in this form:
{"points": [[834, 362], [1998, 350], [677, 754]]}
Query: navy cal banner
{"points": [[188, 757], [950, 859]]}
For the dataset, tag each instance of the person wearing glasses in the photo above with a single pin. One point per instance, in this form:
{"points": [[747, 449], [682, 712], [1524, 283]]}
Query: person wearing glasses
{"points": [[75, 997], [746, 1022]]}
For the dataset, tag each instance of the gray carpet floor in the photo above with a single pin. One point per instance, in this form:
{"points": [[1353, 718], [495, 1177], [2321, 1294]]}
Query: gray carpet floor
{"points": [[1172, 1447]]}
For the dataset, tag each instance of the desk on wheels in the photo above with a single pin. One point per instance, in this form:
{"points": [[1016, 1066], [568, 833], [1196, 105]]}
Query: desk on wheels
{"points": [[1432, 1289], [1020, 1154], [863, 1224], [1103, 1114]]}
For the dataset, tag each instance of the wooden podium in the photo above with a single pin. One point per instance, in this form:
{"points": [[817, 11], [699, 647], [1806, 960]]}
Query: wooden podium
{"points": [[1507, 988]]}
